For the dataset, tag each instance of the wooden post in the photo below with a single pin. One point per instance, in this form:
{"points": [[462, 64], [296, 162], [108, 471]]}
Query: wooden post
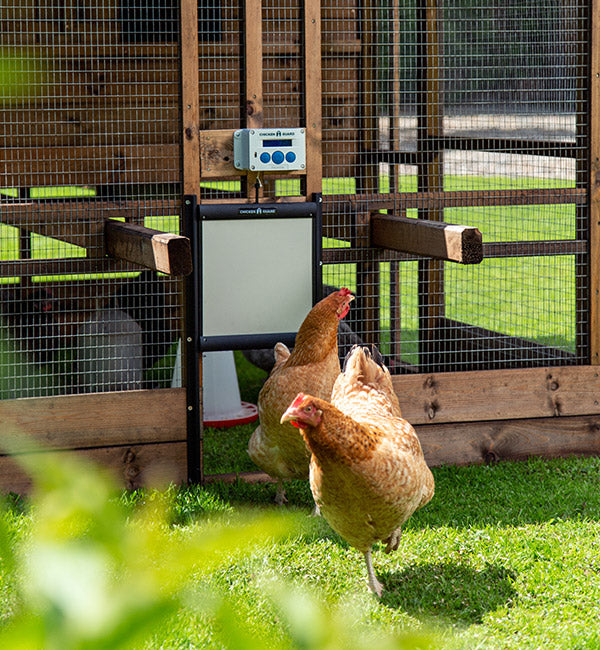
{"points": [[430, 170], [312, 96], [190, 152], [367, 175], [591, 177], [253, 80]]}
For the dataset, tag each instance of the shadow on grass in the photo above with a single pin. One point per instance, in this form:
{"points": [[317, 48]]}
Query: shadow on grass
{"points": [[454, 592]]}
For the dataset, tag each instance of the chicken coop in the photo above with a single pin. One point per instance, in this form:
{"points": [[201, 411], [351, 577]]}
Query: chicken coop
{"points": [[452, 148]]}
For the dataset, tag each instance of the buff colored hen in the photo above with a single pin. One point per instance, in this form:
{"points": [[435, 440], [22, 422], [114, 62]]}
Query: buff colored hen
{"points": [[367, 470], [312, 366]]}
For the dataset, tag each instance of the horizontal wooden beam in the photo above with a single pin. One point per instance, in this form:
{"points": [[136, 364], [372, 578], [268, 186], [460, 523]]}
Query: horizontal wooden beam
{"points": [[154, 249], [63, 266], [98, 419], [401, 201], [473, 443], [490, 249], [86, 165], [80, 221], [443, 241], [133, 466], [474, 396]]}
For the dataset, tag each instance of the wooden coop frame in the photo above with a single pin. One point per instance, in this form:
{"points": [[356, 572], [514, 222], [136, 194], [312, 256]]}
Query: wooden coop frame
{"points": [[472, 416]]}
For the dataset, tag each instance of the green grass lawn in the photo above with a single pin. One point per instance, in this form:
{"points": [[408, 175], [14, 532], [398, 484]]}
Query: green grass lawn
{"points": [[505, 556]]}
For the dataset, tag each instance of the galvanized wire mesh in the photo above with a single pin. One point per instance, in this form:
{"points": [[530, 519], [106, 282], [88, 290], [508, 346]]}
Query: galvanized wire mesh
{"points": [[89, 129], [462, 96], [419, 97]]}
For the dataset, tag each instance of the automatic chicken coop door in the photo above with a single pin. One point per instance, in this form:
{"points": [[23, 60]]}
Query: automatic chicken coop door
{"points": [[259, 272]]}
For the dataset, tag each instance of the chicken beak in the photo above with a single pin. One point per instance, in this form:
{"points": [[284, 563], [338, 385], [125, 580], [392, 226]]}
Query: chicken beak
{"points": [[288, 415]]}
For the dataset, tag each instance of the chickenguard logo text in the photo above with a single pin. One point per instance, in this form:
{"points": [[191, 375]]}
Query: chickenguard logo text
{"points": [[257, 211]]}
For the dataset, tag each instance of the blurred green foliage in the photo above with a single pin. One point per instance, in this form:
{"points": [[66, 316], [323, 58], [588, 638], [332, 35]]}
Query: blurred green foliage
{"points": [[100, 570]]}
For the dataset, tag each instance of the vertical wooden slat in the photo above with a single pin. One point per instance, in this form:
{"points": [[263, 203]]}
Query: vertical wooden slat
{"points": [[312, 96], [395, 143], [367, 175], [593, 175], [253, 65], [190, 152], [253, 79], [190, 98], [430, 175]]}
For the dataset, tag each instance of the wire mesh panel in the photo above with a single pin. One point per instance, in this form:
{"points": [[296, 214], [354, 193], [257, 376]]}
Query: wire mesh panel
{"points": [[470, 113], [89, 130]]}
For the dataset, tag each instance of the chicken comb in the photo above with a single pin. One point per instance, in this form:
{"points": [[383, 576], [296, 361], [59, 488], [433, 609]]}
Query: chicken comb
{"points": [[344, 291], [298, 400]]}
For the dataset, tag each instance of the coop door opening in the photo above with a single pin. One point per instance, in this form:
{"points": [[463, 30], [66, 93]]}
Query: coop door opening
{"points": [[259, 273]]}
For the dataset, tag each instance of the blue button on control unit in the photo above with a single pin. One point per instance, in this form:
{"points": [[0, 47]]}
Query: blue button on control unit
{"points": [[278, 157], [290, 156], [265, 157]]}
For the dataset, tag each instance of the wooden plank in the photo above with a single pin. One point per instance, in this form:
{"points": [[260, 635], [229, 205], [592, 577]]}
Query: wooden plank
{"points": [[253, 64], [57, 166], [313, 96], [491, 249], [589, 133], [216, 154], [80, 221], [436, 200], [133, 466], [97, 419], [434, 239], [507, 145], [190, 100], [430, 174], [488, 442], [153, 249], [395, 137], [368, 278], [473, 396], [63, 266]]}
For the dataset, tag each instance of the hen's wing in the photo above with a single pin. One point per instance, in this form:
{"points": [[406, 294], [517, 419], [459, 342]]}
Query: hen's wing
{"points": [[277, 448]]}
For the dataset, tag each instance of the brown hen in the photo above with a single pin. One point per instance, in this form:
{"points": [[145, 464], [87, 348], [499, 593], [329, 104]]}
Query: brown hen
{"points": [[367, 470], [312, 366]]}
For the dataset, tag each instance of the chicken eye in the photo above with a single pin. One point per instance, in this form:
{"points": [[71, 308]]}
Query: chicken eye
{"points": [[308, 409]]}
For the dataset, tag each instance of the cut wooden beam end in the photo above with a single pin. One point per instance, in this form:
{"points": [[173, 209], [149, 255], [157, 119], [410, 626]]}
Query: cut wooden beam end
{"points": [[154, 249], [443, 241]]}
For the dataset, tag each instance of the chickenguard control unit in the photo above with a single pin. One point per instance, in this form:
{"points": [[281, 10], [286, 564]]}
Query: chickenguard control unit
{"points": [[269, 150]]}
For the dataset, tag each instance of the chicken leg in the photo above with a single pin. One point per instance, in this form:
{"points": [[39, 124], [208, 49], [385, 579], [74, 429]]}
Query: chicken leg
{"points": [[374, 584], [280, 498]]}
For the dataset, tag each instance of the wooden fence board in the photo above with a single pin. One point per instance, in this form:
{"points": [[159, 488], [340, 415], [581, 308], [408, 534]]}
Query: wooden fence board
{"points": [[499, 394], [98, 419], [485, 442], [133, 466]]}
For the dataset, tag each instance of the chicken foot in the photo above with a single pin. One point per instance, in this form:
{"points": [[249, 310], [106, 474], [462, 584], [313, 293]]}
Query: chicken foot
{"points": [[374, 584]]}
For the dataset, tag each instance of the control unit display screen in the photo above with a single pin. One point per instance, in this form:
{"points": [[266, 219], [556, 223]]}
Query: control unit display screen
{"points": [[277, 143]]}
